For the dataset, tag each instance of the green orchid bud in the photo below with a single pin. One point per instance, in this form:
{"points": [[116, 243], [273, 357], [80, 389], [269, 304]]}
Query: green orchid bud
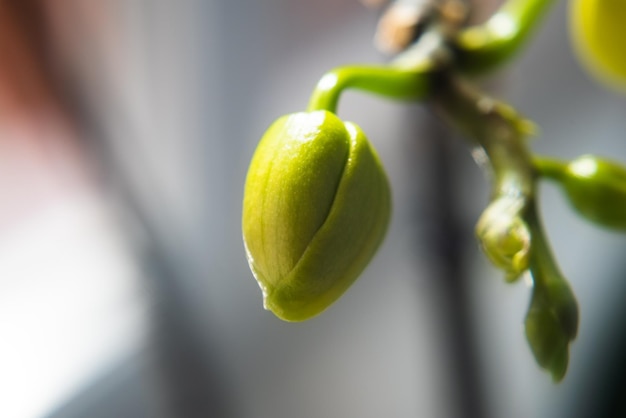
{"points": [[596, 188], [551, 324], [504, 236], [597, 28], [316, 207]]}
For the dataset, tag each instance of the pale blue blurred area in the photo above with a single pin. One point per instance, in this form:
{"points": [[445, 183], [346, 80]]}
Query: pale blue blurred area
{"points": [[180, 117]]}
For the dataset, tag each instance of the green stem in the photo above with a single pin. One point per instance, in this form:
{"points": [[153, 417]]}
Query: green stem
{"points": [[542, 264], [549, 167], [397, 83], [552, 321], [497, 129], [483, 48]]}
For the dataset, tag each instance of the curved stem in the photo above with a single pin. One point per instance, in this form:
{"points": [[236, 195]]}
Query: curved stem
{"points": [[397, 83], [485, 47]]}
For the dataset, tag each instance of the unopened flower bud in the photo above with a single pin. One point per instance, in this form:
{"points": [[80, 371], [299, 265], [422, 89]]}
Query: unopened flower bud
{"points": [[598, 32], [316, 207], [504, 236], [597, 189], [551, 324]]}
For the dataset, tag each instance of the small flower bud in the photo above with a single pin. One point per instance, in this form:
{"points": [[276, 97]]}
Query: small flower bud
{"points": [[316, 207], [597, 189], [504, 236], [598, 33], [551, 324]]}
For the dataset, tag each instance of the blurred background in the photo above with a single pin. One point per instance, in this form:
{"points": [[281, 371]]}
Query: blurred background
{"points": [[125, 133]]}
